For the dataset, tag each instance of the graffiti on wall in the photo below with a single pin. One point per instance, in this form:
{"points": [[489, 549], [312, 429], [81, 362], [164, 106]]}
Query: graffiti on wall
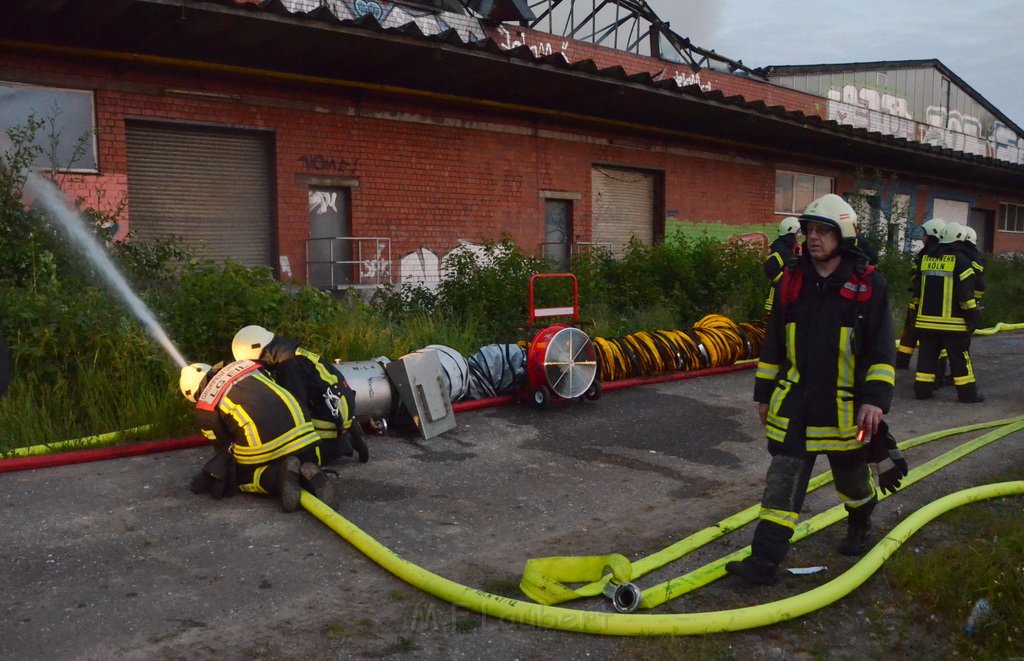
{"points": [[539, 49], [424, 267], [689, 78], [321, 163], [888, 114]]}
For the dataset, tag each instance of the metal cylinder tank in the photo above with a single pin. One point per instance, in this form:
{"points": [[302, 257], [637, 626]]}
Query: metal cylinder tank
{"points": [[374, 394]]}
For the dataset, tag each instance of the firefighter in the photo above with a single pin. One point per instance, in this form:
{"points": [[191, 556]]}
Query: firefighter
{"points": [[322, 390], [823, 381], [782, 251], [908, 338], [969, 247], [264, 441], [946, 317]]}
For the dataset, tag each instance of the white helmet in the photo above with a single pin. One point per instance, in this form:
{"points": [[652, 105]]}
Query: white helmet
{"points": [[789, 225], [933, 227], [972, 236], [250, 342], [832, 210], [193, 380], [953, 232]]}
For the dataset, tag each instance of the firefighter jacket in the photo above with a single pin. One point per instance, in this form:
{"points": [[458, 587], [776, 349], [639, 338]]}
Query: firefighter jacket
{"points": [[930, 247], [317, 386], [946, 300], [828, 349], [781, 254], [243, 411], [977, 260]]}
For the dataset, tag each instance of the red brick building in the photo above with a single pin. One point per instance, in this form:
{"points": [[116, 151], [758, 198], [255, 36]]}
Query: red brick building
{"points": [[261, 132]]}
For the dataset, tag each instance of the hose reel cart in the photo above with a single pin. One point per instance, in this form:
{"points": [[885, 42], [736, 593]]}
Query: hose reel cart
{"points": [[561, 361]]}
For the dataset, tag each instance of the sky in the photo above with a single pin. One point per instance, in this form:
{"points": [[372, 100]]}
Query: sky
{"points": [[981, 41]]}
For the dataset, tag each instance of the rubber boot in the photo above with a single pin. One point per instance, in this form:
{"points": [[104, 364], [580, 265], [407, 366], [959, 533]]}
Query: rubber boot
{"points": [[322, 486], [858, 537], [754, 569], [288, 487], [359, 443], [902, 361], [969, 394], [923, 390]]}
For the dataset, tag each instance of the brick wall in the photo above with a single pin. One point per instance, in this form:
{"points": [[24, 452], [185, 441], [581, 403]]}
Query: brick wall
{"points": [[426, 174]]}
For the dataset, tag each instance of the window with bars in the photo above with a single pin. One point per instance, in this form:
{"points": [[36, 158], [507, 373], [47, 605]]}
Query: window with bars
{"points": [[795, 190], [1011, 218]]}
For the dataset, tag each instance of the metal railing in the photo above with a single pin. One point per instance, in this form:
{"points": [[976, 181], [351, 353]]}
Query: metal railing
{"points": [[348, 262]]}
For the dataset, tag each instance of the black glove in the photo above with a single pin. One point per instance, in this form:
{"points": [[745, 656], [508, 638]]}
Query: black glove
{"points": [[891, 471], [971, 318], [201, 483], [220, 473]]}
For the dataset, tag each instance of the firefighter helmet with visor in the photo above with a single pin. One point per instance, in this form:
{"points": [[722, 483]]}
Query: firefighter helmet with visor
{"points": [[834, 211], [193, 379], [250, 342]]}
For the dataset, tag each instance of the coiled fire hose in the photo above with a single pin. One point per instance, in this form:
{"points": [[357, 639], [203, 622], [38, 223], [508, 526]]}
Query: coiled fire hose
{"points": [[714, 341], [632, 624]]}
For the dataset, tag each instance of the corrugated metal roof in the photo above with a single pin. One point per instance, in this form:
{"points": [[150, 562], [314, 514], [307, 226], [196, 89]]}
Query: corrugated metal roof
{"points": [[266, 36]]}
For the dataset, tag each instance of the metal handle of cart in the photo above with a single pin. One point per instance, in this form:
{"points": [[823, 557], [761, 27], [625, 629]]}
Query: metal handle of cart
{"points": [[566, 311]]}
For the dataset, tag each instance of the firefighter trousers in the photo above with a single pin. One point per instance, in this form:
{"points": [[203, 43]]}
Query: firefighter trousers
{"points": [[786, 486], [957, 346]]}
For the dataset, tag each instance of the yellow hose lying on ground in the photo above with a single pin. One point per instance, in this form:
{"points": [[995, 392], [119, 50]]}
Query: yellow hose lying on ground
{"points": [[99, 440], [1000, 326], [678, 624], [540, 583]]}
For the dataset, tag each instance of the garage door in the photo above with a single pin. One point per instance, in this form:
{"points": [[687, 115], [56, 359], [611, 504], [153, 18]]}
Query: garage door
{"points": [[212, 187], [622, 206]]}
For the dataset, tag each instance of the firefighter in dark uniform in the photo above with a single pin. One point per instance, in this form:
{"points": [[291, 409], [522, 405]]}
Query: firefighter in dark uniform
{"points": [[823, 381], [264, 441], [969, 247], [946, 317], [782, 251], [908, 338], [311, 379]]}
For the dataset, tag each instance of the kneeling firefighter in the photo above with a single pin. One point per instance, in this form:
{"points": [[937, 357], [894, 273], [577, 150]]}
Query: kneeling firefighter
{"points": [[824, 379], [310, 378], [263, 439]]}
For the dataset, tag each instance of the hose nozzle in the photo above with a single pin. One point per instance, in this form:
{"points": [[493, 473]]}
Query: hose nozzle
{"points": [[625, 596]]}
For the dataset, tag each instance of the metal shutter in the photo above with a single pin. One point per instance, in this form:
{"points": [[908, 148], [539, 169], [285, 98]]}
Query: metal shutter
{"points": [[623, 206], [212, 187]]}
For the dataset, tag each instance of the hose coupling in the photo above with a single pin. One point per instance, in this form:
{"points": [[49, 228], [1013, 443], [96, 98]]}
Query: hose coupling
{"points": [[625, 596]]}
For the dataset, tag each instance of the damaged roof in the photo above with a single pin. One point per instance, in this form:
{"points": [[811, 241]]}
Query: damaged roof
{"points": [[264, 35]]}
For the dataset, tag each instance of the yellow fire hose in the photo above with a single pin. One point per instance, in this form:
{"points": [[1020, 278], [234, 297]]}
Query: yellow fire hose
{"points": [[678, 624], [541, 584], [98, 440], [622, 624]]}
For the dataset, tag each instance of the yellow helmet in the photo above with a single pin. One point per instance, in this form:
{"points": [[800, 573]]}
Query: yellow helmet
{"points": [[953, 232], [972, 236], [193, 380], [832, 210], [789, 225], [933, 227], [250, 342]]}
